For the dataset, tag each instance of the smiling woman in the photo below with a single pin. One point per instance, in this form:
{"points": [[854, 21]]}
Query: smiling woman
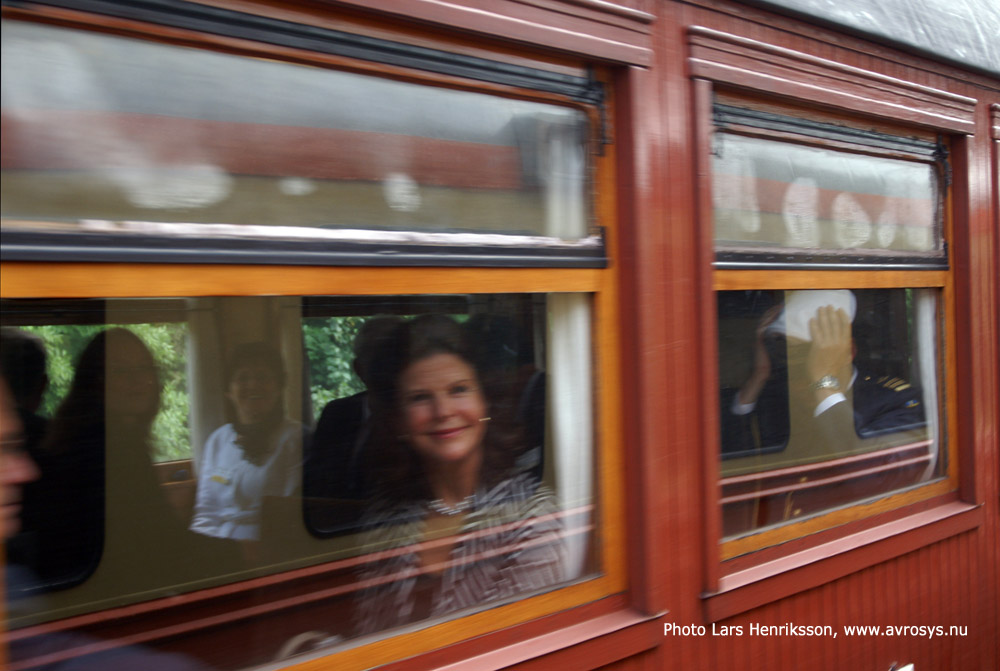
{"points": [[454, 523], [427, 387], [444, 413]]}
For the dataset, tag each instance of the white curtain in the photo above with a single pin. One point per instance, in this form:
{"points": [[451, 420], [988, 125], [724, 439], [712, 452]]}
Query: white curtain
{"points": [[563, 175], [570, 400], [927, 348], [205, 373]]}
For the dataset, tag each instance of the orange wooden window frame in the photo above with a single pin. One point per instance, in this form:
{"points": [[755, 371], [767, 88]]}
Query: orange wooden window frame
{"points": [[729, 63], [725, 280], [45, 280], [112, 280]]}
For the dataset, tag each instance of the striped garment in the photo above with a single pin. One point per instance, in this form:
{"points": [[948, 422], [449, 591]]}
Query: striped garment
{"points": [[509, 543]]}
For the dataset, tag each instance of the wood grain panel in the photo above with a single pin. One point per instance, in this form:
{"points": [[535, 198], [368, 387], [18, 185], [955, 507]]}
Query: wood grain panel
{"points": [[750, 63], [605, 30], [912, 590]]}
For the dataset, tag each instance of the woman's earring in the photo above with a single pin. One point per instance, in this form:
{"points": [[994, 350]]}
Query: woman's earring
{"points": [[485, 419]]}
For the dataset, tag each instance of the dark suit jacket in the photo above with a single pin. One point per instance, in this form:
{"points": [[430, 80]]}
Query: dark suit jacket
{"points": [[335, 468]]}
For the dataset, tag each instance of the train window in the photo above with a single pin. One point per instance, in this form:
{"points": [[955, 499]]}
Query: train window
{"points": [[827, 397], [831, 274], [414, 457], [146, 141], [357, 288], [880, 202]]}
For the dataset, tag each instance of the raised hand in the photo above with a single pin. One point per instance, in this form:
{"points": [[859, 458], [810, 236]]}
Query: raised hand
{"points": [[830, 353]]}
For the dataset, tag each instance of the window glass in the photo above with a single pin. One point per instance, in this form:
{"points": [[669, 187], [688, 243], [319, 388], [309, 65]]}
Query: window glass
{"points": [[170, 439], [828, 397], [770, 194], [355, 465], [109, 134]]}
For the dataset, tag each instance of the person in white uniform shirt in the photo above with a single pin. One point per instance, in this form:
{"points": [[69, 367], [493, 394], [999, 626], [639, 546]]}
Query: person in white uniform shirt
{"points": [[256, 455]]}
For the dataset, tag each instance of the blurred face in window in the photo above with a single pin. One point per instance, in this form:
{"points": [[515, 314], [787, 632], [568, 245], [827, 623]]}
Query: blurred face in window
{"points": [[254, 390], [16, 467], [133, 385], [443, 409]]}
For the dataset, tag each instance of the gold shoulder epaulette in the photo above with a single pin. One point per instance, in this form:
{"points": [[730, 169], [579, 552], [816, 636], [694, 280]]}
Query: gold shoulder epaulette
{"points": [[894, 383]]}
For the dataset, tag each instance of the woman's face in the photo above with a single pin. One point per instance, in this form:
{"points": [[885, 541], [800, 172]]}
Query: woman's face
{"points": [[133, 385], [254, 392], [443, 409]]}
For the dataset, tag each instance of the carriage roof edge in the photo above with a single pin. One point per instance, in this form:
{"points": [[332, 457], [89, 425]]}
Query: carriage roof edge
{"points": [[963, 32]]}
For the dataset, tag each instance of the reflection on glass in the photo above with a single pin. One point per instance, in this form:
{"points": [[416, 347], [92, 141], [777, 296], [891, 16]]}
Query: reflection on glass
{"points": [[61, 345], [257, 454], [771, 194], [450, 465], [340, 471], [105, 129], [828, 398], [453, 522]]}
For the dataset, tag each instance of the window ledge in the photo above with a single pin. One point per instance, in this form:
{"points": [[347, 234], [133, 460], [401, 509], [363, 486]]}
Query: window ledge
{"points": [[774, 580], [586, 645]]}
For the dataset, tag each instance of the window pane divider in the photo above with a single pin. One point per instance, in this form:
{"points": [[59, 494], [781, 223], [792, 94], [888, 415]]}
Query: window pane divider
{"points": [[729, 280], [139, 248], [82, 280], [753, 261]]}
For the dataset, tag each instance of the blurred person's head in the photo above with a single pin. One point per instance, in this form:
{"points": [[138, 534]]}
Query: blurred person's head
{"points": [[367, 343], [255, 383], [115, 391], [115, 380], [22, 360], [132, 384], [16, 467]]}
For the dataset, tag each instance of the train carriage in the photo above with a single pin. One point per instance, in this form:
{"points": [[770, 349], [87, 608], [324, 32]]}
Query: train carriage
{"points": [[725, 275]]}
